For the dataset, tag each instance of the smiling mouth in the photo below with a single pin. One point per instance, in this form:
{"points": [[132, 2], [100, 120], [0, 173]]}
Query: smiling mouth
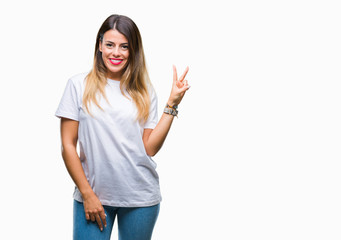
{"points": [[115, 61]]}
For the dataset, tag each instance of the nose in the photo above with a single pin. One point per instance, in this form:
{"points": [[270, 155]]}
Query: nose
{"points": [[116, 52]]}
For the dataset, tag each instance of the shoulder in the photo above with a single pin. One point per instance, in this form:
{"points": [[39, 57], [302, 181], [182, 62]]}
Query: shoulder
{"points": [[78, 79], [152, 95], [77, 82], [151, 91]]}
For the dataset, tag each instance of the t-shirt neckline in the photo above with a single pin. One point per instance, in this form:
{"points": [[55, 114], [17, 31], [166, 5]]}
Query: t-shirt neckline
{"points": [[111, 81]]}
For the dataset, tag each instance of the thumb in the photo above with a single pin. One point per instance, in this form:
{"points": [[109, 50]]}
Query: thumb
{"points": [[179, 84], [185, 86]]}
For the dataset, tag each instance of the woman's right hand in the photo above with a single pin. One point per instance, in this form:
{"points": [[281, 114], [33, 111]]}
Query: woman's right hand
{"points": [[94, 210], [92, 206]]}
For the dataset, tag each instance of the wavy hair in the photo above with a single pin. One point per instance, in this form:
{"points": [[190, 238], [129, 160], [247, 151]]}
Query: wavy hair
{"points": [[135, 79]]}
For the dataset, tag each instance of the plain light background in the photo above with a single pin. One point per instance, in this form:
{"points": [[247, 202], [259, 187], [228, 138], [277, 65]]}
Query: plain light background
{"points": [[255, 152]]}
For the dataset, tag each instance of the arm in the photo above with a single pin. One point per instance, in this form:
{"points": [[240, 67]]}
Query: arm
{"points": [[69, 136], [153, 139]]}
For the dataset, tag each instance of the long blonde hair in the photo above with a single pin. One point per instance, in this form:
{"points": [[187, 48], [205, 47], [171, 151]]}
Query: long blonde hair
{"points": [[135, 79]]}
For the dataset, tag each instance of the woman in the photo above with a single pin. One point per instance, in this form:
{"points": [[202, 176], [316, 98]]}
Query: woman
{"points": [[112, 113]]}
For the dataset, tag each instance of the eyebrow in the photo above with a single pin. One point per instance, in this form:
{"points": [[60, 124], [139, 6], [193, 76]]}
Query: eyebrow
{"points": [[114, 43]]}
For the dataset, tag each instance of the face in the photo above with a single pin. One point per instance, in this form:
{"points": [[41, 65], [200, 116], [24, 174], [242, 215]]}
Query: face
{"points": [[115, 53]]}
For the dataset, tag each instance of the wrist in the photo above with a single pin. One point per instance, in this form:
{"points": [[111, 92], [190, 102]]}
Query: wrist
{"points": [[171, 103], [87, 193], [171, 110]]}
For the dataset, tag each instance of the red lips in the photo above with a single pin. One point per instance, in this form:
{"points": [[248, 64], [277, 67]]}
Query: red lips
{"points": [[115, 61]]}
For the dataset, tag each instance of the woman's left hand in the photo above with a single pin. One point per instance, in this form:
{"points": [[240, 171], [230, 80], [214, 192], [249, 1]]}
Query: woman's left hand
{"points": [[179, 88]]}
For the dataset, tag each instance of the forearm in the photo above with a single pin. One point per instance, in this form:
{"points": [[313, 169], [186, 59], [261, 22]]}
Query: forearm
{"points": [[153, 139], [75, 169], [159, 134]]}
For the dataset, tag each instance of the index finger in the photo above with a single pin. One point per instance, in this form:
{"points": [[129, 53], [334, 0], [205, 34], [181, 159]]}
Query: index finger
{"points": [[184, 74], [175, 75]]}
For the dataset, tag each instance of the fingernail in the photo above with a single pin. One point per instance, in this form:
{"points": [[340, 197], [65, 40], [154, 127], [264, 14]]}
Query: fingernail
{"points": [[101, 229]]}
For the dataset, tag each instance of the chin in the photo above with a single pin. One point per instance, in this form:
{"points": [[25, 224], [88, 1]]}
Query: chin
{"points": [[116, 69]]}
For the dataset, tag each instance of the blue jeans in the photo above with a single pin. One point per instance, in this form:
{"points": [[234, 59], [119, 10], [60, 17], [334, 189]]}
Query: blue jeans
{"points": [[136, 223]]}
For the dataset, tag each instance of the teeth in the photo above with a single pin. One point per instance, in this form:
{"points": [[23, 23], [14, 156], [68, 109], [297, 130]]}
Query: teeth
{"points": [[116, 60]]}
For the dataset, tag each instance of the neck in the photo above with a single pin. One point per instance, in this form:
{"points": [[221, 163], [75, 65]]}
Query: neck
{"points": [[114, 76]]}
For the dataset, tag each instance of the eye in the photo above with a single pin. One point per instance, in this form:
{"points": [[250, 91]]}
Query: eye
{"points": [[109, 45], [125, 47]]}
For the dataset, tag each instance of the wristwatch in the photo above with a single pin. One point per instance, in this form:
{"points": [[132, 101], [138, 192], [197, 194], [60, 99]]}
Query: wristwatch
{"points": [[171, 110]]}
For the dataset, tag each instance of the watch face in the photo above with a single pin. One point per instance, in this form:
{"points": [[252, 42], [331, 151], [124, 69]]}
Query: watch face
{"points": [[170, 111]]}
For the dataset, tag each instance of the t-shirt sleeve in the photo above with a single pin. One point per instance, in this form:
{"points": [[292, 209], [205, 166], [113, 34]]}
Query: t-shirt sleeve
{"points": [[69, 105], [153, 114]]}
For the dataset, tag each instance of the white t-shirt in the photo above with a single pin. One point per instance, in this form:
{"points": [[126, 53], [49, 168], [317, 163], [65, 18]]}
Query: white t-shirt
{"points": [[111, 148]]}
